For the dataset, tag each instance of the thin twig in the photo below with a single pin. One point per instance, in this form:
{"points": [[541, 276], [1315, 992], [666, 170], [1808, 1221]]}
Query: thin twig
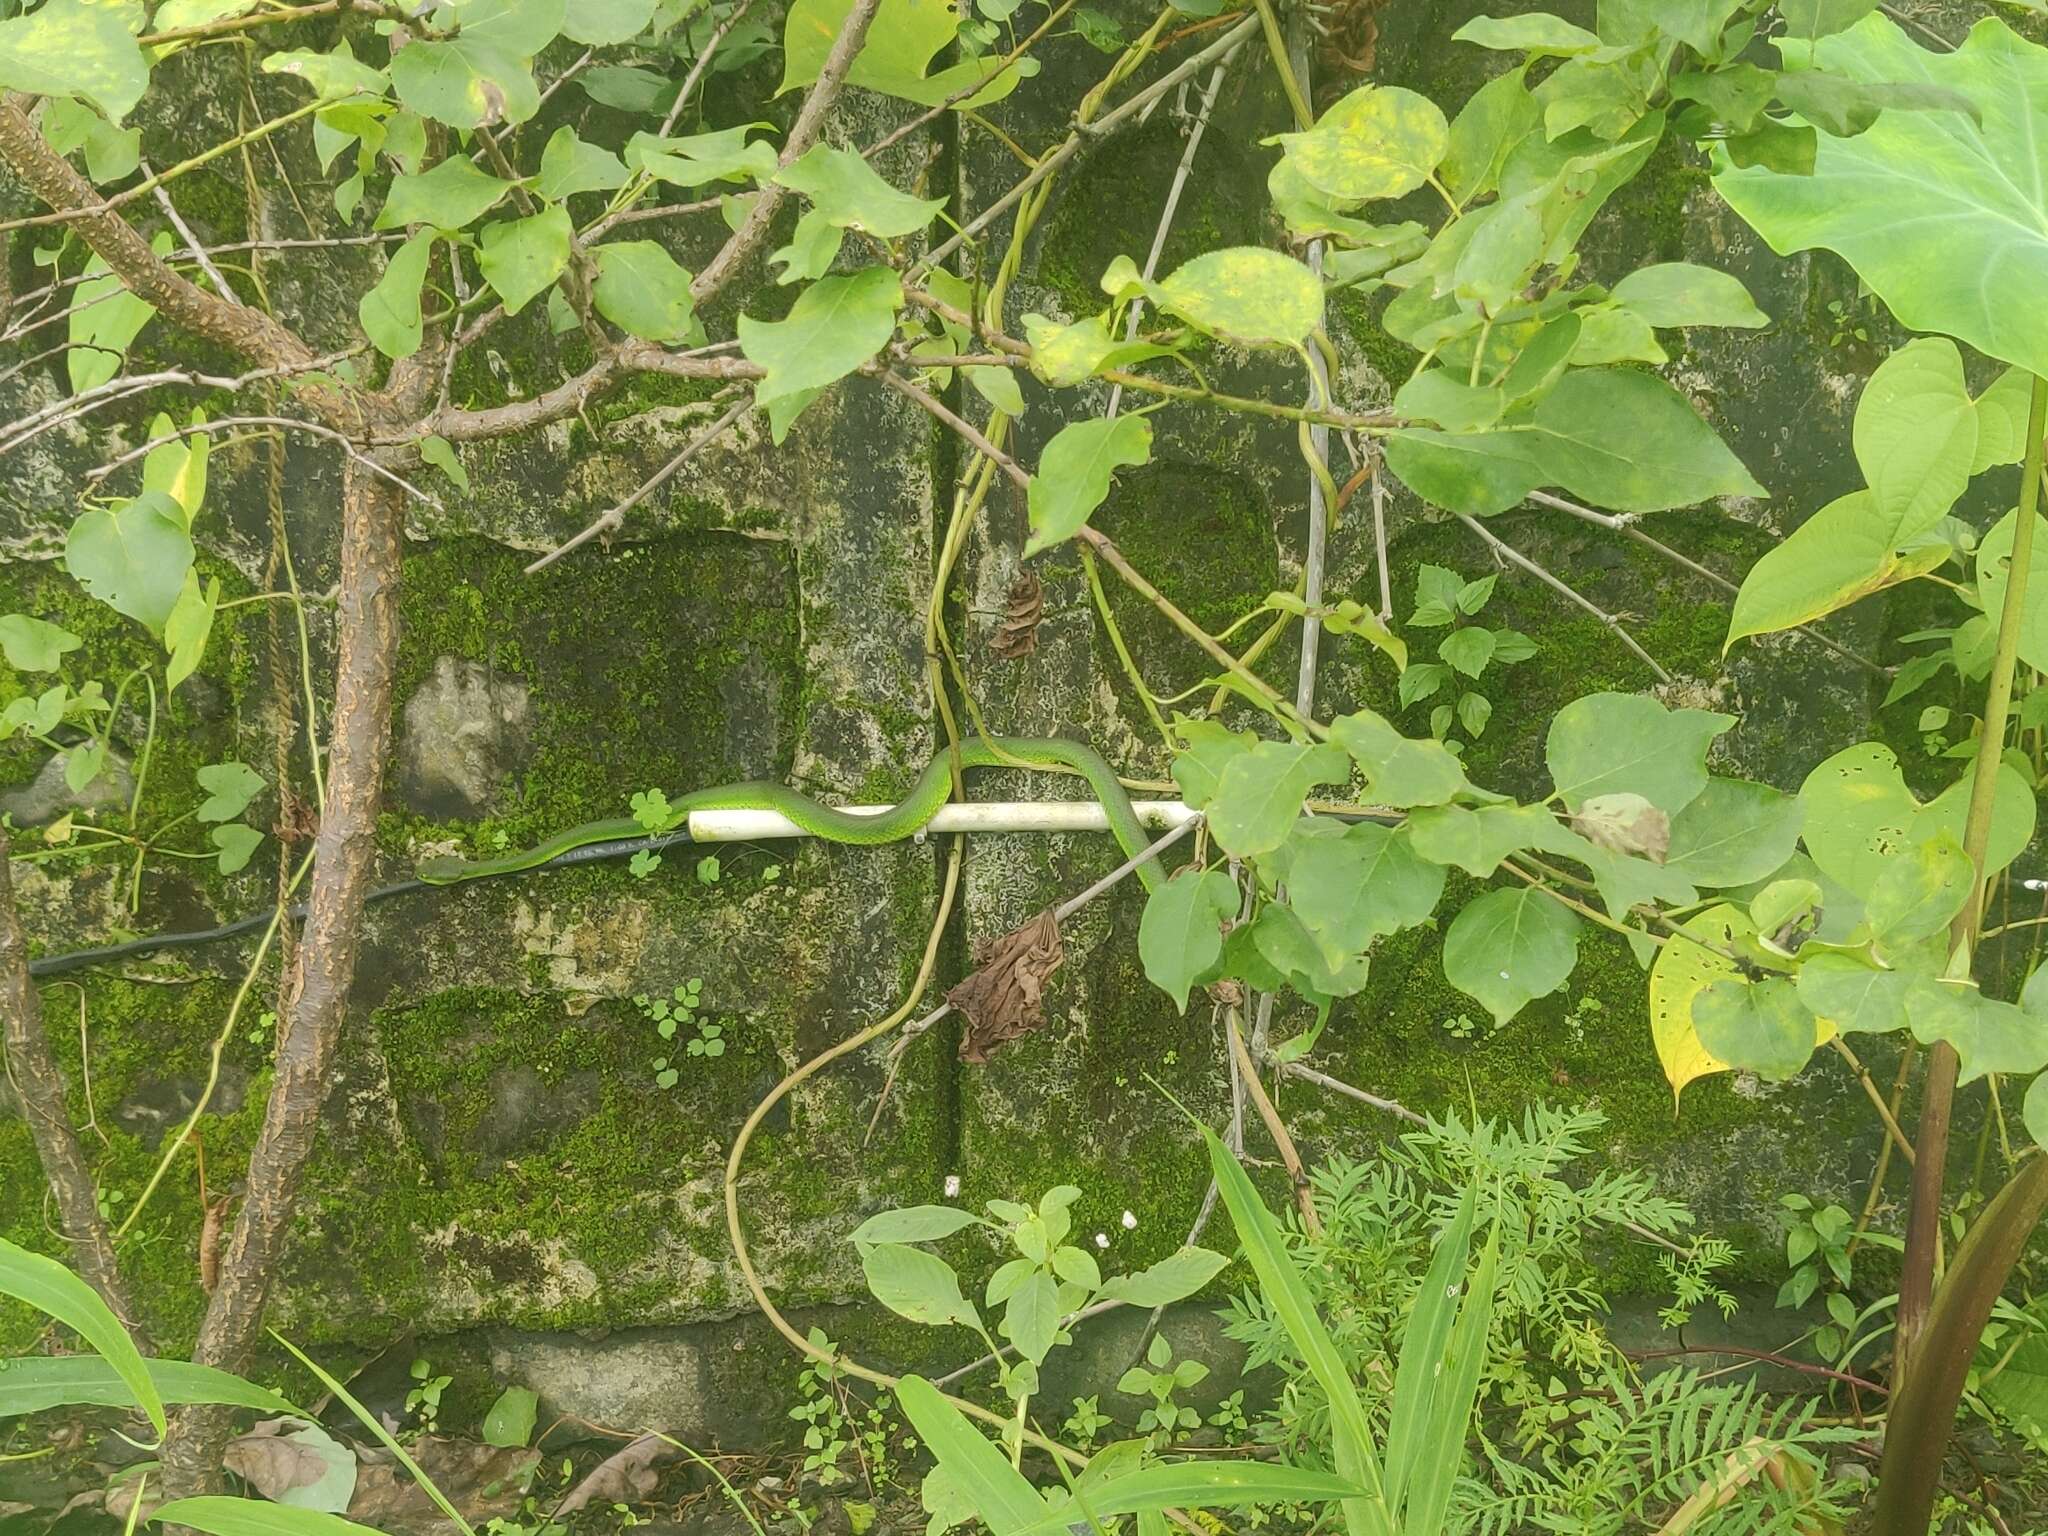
{"points": [[1570, 593], [288, 423], [192, 243], [1304, 1199], [1870, 1089], [615, 517]]}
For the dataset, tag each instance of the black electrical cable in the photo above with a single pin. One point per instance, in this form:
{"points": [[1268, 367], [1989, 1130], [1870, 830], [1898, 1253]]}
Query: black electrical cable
{"points": [[79, 959]]}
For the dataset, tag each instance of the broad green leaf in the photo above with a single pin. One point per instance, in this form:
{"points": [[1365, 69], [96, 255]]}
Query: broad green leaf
{"points": [[1351, 885], [1287, 1295], [642, 291], [1504, 249], [334, 75], [447, 196], [519, 27], [132, 557], [229, 788], [1477, 840], [217, 1515], [1943, 219], [1245, 294], [1736, 94], [467, 83], [1843, 552], [1920, 891], [1379, 141], [1994, 557], [1758, 1026], [1439, 395], [904, 38], [103, 319], [509, 1422], [1857, 815], [568, 166], [1510, 947], [1732, 833], [178, 467], [390, 311], [1284, 942], [627, 88], [2035, 1113], [1838, 105], [601, 23], [1988, 1036], [1174, 1278], [1196, 1485], [847, 192], [56, 1292], [1608, 742], [1855, 997], [1629, 441], [1031, 1320], [724, 155], [34, 645], [835, 325], [914, 1284], [1611, 334], [1916, 436], [1208, 748], [522, 257], [1181, 934], [996, 1491], [1258, 795], [110, 153], [1678, 293], [188, 627], [1809, 19], [913, 1224], [1537, 33], [2002, 421], [234, 845], [1477, 473], [1400, 771], [77, 48], [1494, 119], [39, 1382], [1075, 472]]}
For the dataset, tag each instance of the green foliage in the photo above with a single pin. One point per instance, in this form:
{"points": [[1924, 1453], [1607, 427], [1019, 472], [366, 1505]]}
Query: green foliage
{"points": [[1075, 472], [836, 324]]}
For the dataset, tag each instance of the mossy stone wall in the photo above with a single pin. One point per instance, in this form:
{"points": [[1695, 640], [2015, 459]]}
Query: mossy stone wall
{"points": [[500, 1163]]}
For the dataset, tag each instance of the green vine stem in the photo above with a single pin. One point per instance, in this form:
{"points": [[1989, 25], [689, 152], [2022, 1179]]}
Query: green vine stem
{"points": [[1923, 1212]]}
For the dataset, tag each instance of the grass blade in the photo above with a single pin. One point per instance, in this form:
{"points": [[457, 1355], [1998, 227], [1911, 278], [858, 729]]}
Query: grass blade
{"points": [[253, 1517], [1417, 1379], [1006, 1503], [36, 1382], [1439, 1457], [369, 1421], [1199, 1485], [49, 1287], [1350, 1433]]}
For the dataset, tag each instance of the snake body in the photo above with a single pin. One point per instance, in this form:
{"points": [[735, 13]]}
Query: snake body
{"points": [[902, 820]]}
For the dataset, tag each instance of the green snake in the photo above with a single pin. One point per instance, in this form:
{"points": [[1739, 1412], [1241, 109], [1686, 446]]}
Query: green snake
{"points": [[934, 786]]}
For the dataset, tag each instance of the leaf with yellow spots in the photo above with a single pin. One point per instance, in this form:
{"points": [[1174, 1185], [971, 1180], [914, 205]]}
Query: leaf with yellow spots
{"points": [[1379, 141], [1245, 294]]}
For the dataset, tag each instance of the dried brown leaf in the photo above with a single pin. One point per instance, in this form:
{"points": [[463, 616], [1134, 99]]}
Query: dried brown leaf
{"points": [[1004, 998], [1017, 635], [483, 1481], [1625, 823], [280, 1455], [627, 1476]]}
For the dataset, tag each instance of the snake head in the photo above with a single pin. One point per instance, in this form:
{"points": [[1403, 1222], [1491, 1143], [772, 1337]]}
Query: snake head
{"points": [[445, 869]]}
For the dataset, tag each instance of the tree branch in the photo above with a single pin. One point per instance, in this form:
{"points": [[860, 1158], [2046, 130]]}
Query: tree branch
{"points": [[810, 122], [36, 1078], [316, 996], [240, 328]]}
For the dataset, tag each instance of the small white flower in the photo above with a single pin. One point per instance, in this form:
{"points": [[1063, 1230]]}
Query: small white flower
{"points": [[952, 1186], [1102, 1239], [1130, 1221]]}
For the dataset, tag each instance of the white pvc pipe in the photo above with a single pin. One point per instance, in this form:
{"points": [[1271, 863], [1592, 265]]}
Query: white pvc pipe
{"points": [[748, 825]]}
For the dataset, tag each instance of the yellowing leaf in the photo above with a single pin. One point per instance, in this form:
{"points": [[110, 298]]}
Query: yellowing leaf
{"points": [[1840, 554], [1379, 141], [1681, 972]]}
